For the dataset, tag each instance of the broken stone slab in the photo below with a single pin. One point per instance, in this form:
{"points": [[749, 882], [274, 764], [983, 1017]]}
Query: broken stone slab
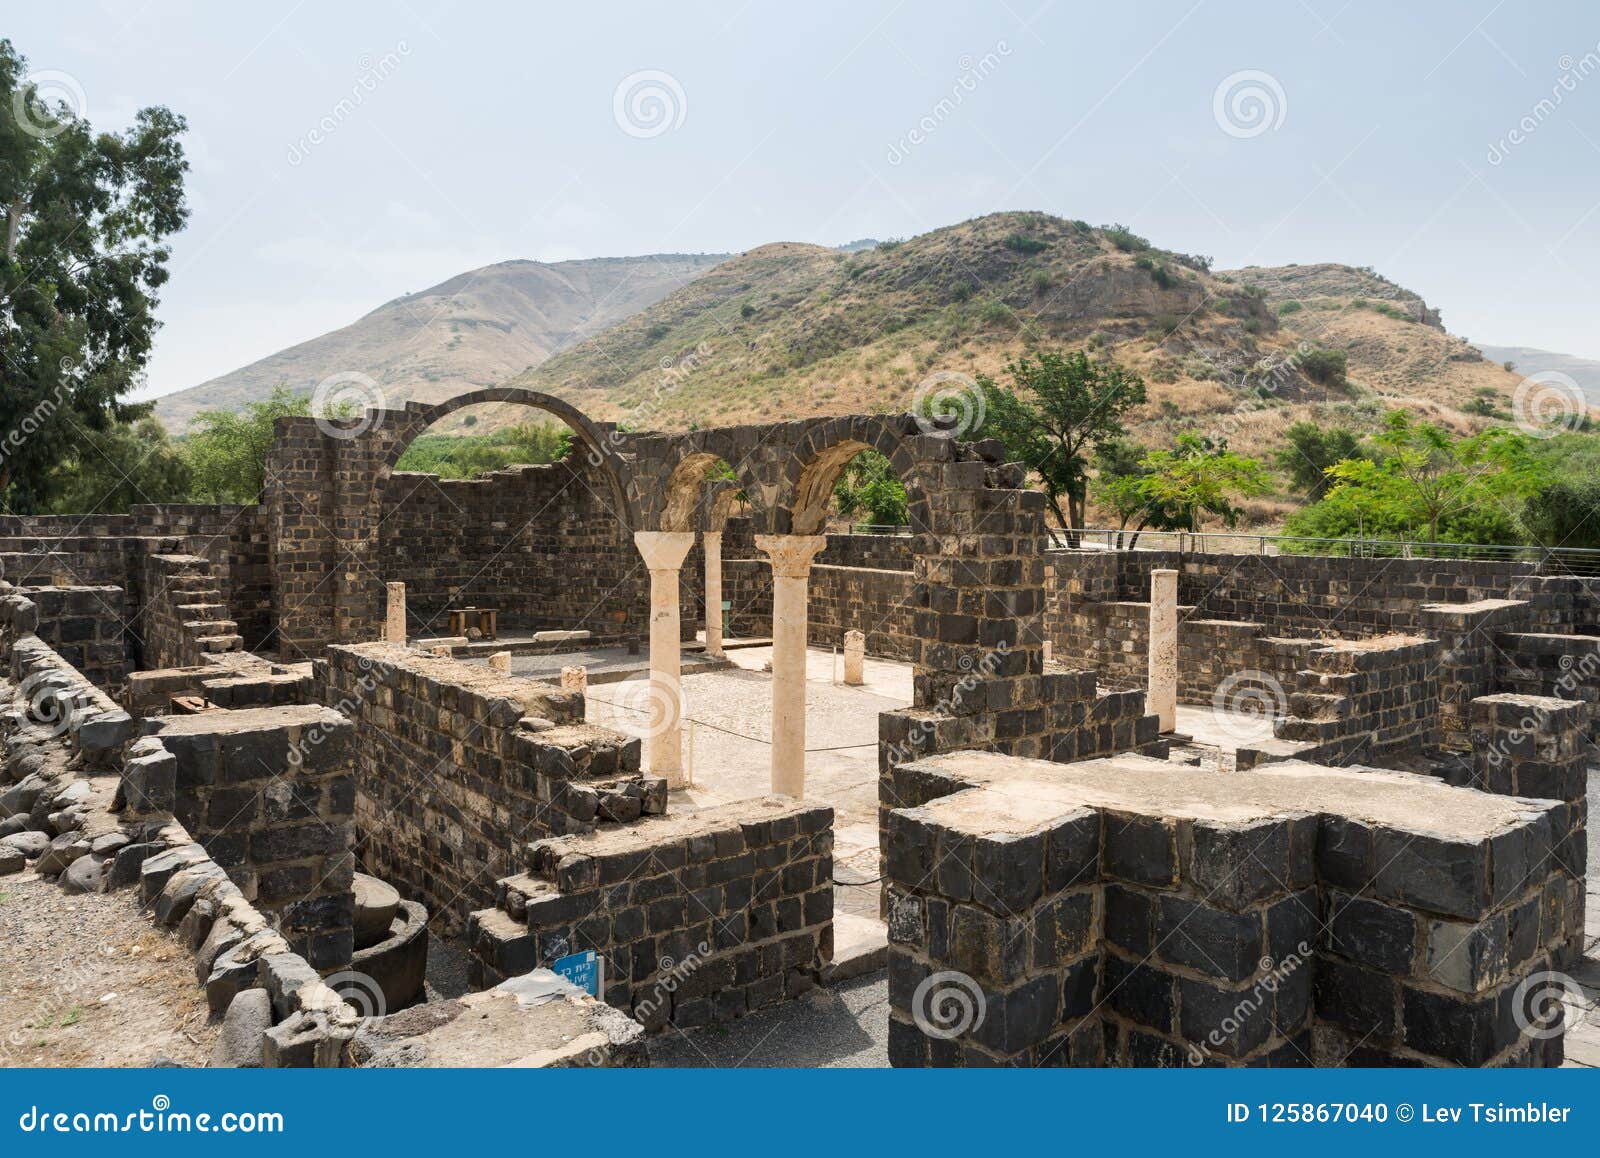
{"points": [[222, 936], [129, 859], [500, 661], [20, 798], [157, 870], [108, 844], [105, 731], [62, 852], [241, 1042], [196, 923], [307, 1040], [84, 875], [237, 968], [30, 844], [11, 861], [181, 890], [560, 636], [283, 977]]}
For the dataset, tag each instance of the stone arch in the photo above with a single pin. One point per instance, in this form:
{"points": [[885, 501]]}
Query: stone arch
{"points": [[682, 494], [402, 430], [819, 459]]}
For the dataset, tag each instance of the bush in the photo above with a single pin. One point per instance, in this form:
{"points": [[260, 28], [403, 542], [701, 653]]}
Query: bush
{"points": [[1325, 367], [1290, 307], [1017, 243], [1041, 282], [747, 310], [1125, 239]]}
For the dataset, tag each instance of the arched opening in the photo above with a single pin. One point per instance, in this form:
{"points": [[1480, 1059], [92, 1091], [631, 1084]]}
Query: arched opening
{"points": [[506, 524]]}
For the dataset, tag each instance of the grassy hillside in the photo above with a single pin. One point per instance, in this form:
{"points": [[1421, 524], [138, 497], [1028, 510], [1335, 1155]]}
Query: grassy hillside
{"points": [[476, 329]]}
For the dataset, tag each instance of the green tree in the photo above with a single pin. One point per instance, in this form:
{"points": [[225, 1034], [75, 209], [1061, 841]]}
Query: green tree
{"points": [[107, 471], [1424, 481], [87, 217], [1565, 513], [1201, 476], [1059, 407], [1311, 450], [870, 486], [227, 452]]}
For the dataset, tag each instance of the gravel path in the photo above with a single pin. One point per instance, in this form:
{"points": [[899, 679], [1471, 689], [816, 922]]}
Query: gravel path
{"points": [[87, 980]]}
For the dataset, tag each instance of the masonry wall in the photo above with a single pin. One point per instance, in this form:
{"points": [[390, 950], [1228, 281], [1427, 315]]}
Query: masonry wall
{"points": [[1108, 935], [839, 599], [86, 627], [460, 766], [541, 544], [108, 549], [270, 794], [700, 918]]}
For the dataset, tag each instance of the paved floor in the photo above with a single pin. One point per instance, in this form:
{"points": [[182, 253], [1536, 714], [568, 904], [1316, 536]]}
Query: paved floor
{"points": [[841, 1026]]}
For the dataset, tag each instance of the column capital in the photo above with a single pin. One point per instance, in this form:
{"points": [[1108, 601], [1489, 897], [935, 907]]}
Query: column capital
{"points": [[711, 536], [791, 555], [663, 550]]}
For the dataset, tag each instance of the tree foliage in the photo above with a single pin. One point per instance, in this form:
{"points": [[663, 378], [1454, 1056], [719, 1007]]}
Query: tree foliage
{"points": [[869, 487], [107, 471], [86, 220], [1200, 476], [1312, 449], [470, 455], [1423, 482], [227, 450], [1058, 408]]}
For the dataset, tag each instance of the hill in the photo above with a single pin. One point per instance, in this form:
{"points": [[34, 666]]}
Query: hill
{"points": [[792, 329], [1528, 360], [476, 329]]}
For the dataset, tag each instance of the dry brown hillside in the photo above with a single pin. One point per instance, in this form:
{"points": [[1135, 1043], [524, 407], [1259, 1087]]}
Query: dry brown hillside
{"points": [[789, 329], [476, 329]]}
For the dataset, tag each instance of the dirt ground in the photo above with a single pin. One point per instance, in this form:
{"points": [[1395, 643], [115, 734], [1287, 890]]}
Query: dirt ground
{"points": [[87, 980]]}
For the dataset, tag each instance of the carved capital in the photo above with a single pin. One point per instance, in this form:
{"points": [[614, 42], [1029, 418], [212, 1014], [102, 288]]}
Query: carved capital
{"points": [[791, 555], [663, 550]]}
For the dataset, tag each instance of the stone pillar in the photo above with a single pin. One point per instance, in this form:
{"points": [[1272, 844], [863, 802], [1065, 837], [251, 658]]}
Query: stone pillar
{"points": [[664, 552], [713, 554], [394, 625], [855, 655], [575, 679], [791, 557], [1161, 698], [500, 661], [1048, 647]]}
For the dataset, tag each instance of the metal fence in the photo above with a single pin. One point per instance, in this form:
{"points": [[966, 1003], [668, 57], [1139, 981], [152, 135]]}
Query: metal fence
{"points": [[1555, 560]]}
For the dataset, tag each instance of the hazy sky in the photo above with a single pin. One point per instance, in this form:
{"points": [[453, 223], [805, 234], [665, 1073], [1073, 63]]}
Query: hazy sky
{"points": [[345, 154]]}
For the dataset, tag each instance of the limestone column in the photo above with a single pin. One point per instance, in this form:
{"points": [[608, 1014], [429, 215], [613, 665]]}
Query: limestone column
{"points": [[855, 655], [394, 624], [1161, 699], [713, 554], [664, 552], [791, 557]]}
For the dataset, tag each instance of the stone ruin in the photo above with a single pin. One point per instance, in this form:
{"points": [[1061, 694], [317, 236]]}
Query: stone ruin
{"points": [[255, 717]]}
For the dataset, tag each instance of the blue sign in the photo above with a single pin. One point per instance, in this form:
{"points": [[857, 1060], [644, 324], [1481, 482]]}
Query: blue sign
{"points": [[582, 969]]}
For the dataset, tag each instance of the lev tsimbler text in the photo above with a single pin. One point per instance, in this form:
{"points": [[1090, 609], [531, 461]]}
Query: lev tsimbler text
{"points": [[1484, 1113]]}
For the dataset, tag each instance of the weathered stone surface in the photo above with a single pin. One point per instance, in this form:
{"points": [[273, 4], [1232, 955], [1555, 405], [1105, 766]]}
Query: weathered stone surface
{"points": [[242, 1038]]}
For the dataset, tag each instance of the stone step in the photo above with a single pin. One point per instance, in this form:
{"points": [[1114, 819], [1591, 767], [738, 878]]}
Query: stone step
{"points": [[860, 946], [213, 644]]}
